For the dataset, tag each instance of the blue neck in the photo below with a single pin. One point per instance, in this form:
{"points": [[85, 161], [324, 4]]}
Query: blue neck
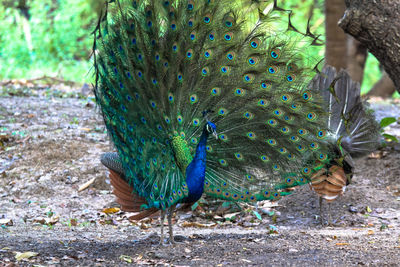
{"points": [[196, 170]]}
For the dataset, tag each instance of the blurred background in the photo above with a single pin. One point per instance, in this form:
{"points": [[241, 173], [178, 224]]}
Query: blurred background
{"points": [[52, 38]]}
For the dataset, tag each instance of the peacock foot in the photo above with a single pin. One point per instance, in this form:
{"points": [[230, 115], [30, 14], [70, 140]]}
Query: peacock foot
{"points": [[167, 242]]}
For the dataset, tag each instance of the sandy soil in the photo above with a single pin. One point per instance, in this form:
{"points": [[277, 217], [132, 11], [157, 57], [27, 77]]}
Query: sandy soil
{"points": [[50, 146]]}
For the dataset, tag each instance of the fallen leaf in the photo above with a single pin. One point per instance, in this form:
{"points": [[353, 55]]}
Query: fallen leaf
{"points": [[111, 210], [370, 232], [195, 205], [342, 244], [383, 226], [198, 225], [86, 185], [216, 217], [139, 257], [86, 129], [369, 210], [274, 218], [47, 221], [231, 216], [126, 258], [145, 226], [6, 222], [40, 220], [378, 155], [23, 140], [25, 255], [108, 222], [257, 215]]}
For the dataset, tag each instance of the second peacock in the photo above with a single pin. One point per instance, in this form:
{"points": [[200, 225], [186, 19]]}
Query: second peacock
{"points": [[353, 132], [206, 96]]}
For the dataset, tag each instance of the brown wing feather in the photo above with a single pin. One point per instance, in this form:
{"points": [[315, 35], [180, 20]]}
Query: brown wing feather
{"points": [[329, 185], [128, 200]]}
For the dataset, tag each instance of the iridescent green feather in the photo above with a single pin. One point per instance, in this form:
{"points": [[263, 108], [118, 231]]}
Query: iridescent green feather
{"points": [[162, 65]]}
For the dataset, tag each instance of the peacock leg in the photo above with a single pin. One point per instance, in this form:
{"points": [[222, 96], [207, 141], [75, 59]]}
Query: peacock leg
{"points": [[171, 234], [320, 211], [162, 227], [330, 214]]}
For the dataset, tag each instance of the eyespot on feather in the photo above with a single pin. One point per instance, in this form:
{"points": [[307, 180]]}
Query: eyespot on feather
{"points": [[252, 61], [275, 53], [307, 95], [207, 18], [228, 36], [248, 78], [248, 115], [255, 43], [230, 55], [239, 92], [273, 70], [229, 21], [265, 85], [216, 91], [192, 36], [207, 54]]}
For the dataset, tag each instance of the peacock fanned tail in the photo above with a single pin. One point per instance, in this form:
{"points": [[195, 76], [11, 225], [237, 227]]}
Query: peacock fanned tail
{"points": [[352, 132], [352, 125], [163, 68]]}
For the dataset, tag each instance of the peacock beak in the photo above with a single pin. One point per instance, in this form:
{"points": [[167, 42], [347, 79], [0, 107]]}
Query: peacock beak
{"points": [[215, 134]]}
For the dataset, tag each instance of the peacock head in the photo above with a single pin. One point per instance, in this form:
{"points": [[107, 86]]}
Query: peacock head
{"points": [[211, 129]]}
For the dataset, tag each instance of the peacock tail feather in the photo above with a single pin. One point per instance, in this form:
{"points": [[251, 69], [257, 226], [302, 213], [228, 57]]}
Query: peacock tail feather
{"points": [[165, 68], [352, 128]]}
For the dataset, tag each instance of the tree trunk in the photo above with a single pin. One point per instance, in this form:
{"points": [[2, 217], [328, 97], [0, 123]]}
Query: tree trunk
{"points": [[357, 55], [336, 39], [383, 88], [376, 25]]}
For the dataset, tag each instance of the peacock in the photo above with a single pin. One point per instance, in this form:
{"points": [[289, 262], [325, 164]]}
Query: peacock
{"points": [[205, 96], [353, 133]]}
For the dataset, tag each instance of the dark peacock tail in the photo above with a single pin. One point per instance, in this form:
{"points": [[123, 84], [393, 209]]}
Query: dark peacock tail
{"points": [[353, 130], [165, 69]]}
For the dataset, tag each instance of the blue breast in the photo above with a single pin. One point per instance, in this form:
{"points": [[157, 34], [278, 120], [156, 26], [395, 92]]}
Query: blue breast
{"points": [[196, 171], [195, 174]]}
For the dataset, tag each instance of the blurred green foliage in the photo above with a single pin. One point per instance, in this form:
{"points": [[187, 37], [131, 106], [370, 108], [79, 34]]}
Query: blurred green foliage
{"points": [[302, 10], [55, 38], [54, 41]]}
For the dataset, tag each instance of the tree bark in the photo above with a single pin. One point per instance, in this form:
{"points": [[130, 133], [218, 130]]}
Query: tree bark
{"points": [[336, 39], [376, 24]]}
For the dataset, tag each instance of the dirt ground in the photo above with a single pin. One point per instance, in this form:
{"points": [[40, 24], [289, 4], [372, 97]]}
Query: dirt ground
{"points": [[50, 145]]}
